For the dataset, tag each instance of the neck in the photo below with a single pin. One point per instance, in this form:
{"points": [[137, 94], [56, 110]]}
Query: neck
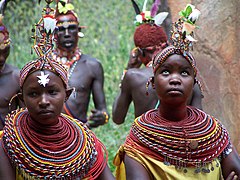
{"points": [[68, 54], [172, 113], [49, 129]]}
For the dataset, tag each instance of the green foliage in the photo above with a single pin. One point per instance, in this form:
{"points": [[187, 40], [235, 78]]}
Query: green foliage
{"points": [[108, 37]]}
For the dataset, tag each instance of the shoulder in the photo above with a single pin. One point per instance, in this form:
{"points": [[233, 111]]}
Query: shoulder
{"points": [[137, 76], [12, 69], [90, 60]]}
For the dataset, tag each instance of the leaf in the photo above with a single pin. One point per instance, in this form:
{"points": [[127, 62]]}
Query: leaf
{"points": [[188, 11]]}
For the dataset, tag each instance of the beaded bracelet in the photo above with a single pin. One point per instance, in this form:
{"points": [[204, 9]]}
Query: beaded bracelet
{"points": [[106, 117]]}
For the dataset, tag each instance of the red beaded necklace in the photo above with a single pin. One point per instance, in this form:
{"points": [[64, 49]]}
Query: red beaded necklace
{"points": [[198, 139], [65, 150]]}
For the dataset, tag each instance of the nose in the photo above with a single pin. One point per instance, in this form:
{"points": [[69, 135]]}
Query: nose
{"points": [[66, 34], [175, 79], [44, 101]]}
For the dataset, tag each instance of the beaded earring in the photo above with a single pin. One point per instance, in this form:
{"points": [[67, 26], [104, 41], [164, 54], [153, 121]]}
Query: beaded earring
{"points": [[150, 80]]}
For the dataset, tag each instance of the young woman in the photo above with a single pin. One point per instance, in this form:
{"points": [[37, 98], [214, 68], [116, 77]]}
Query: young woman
{"points": [[41, 143], [176, 141]]}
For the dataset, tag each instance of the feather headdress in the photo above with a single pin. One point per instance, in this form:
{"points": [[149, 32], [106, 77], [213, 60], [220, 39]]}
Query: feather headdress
{"points": [[150, 17]]}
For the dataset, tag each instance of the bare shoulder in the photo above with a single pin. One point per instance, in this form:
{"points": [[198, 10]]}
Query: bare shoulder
{"points": [[136, 76], [89, 60]]}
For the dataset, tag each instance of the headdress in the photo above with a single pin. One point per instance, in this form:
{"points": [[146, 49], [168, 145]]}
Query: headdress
{"points": [[182, 38], [4, 34], [149, 31], [64, 7], [43, 44]]}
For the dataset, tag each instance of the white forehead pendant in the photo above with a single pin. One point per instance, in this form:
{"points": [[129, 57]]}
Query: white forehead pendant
{"points": [[43, 79]]}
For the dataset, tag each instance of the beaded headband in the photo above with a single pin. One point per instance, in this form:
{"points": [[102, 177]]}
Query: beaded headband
{"points": [[64, 7], [43, 44], [4, 35], [182, 32]]}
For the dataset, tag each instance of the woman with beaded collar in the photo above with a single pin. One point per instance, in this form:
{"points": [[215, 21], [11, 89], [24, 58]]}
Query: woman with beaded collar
{"points": [[149, 37], [177, 141], [41, 143]]}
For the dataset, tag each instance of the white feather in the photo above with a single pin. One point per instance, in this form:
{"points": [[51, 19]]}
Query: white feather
{"points": [[144, 6], [160, 17]]}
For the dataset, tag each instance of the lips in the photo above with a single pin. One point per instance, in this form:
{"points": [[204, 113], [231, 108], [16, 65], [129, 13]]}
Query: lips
{"points": [[175, 91], [45, 112]]}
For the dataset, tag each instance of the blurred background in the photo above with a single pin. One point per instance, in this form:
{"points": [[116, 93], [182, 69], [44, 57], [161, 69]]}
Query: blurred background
{"points": [[109, 38]]}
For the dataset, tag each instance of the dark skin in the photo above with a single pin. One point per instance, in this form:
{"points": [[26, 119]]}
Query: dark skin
{"points": [[9, 78], [133, 89], [87, 77], [174, 82], [44, 105]]}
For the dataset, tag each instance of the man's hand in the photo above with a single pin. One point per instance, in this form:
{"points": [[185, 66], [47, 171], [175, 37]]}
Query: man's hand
{"points": [[134, 60], [97, 118]]}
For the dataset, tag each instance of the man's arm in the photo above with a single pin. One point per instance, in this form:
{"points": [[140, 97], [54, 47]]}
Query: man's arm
{"points": [[122, 101], [99, 115]]}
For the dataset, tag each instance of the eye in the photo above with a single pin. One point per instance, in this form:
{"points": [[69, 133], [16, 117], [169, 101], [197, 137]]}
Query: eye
{"points": [[60, 29], [52, 92], [185, 73], [165, 72], [32, 94], [73, 27]]}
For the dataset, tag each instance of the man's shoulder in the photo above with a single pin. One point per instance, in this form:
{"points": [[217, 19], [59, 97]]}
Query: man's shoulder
{"points": [[138, 73], [13, 70], [89, 59]]}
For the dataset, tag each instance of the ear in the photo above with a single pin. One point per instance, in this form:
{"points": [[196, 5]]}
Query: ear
{"points": [[68, 93], [20, 96]]}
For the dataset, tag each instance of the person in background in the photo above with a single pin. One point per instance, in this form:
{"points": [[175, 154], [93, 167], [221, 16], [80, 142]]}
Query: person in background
{"points": [[149, 37], [86, 73], [9, 75]]}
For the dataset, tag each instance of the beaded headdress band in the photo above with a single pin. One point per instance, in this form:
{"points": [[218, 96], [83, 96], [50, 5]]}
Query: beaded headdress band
{"points": [[64, 7], [43, 44], [182, 32]]}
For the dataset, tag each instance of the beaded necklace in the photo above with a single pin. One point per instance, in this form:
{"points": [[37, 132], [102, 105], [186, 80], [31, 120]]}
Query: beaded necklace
{"points": [[69, 62], [195, 141], [66, 151]]}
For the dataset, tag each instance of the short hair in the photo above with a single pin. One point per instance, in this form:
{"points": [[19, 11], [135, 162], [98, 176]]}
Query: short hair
{"points": [[147, 35]]}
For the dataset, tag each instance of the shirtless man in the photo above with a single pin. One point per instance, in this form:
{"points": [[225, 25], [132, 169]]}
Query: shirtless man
{"points": [[147, 38], [85, 72], [9, 77]]}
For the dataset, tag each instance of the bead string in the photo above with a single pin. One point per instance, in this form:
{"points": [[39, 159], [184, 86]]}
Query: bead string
{"points": [[199, 138], [65, 150]]}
